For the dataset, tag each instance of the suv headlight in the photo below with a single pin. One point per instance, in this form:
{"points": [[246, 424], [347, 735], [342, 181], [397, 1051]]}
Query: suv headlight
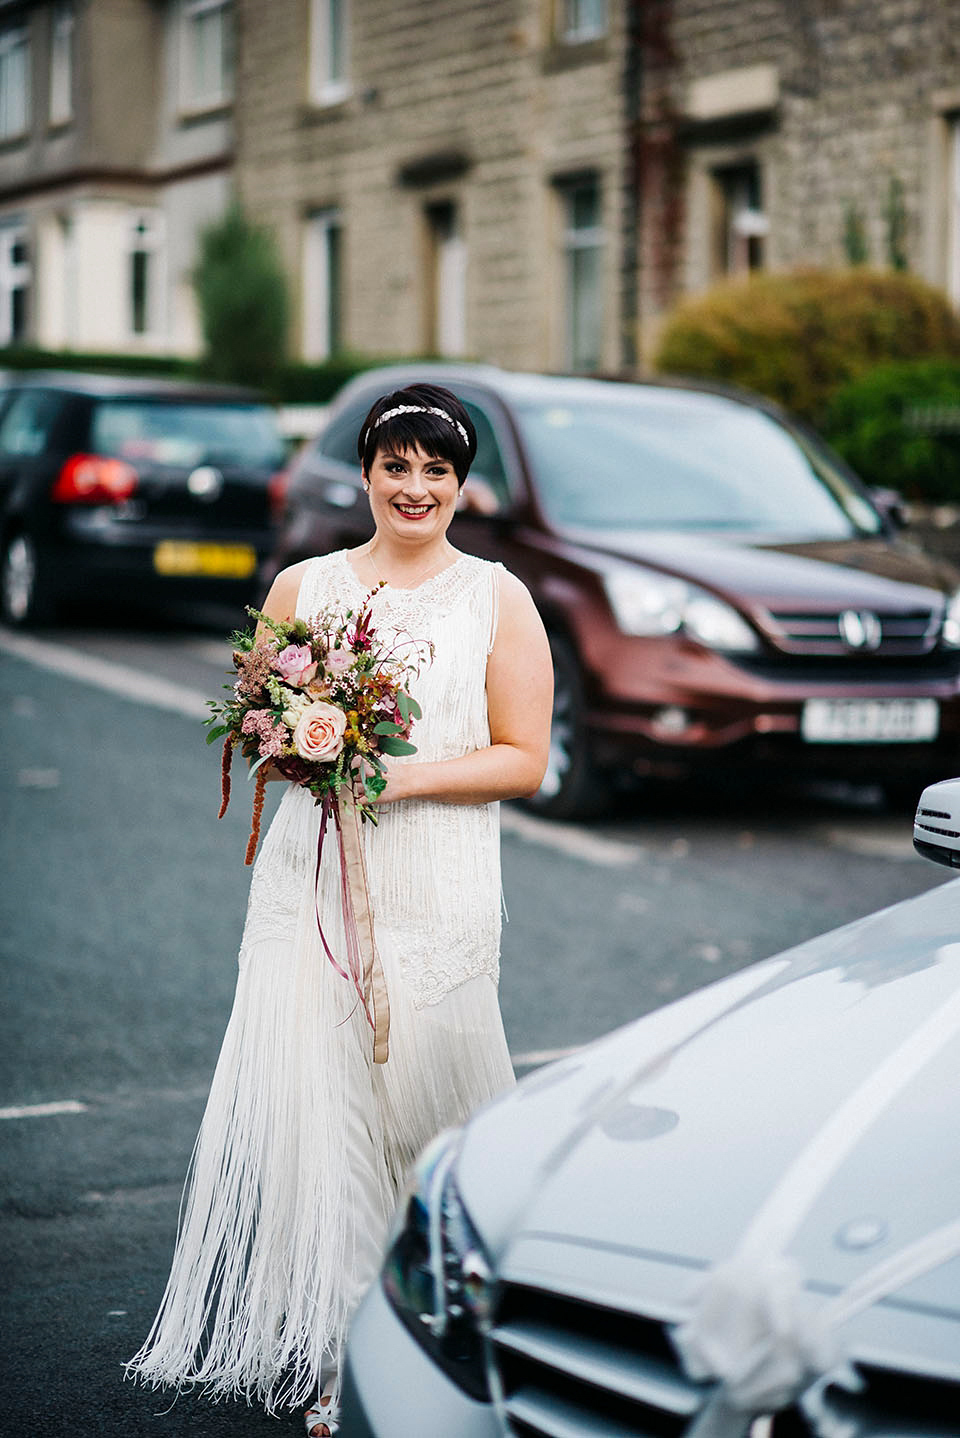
{"points": [[950, 633], [645, 603], [436, 1275]]}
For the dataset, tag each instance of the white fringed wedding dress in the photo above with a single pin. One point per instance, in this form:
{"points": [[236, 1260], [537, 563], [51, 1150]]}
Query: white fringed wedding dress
{"points": [[305, 1142]]}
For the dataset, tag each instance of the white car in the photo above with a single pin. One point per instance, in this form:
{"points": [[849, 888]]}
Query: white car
{"points": [[738, 1215]]}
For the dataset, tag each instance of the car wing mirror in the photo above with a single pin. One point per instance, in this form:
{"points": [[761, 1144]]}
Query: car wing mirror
{"points": [[936, 828], [892, 506], [478, 496]]}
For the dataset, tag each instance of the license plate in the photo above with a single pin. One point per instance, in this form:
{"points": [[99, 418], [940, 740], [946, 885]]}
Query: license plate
{"points": [[870, 721], [221, 561]]}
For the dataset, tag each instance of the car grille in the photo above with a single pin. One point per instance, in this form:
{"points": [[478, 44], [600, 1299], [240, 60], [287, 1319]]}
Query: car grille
{"points": [[573, 1369], [900, 634]]}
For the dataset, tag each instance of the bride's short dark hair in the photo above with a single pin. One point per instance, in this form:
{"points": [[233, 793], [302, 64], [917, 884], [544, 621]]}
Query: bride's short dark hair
{"points": [[420, 416]]}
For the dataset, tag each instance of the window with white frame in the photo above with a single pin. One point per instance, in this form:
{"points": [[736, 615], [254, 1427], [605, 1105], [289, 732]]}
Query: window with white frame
{"points": [[61, 63], [206, 52], [143, 278], [322, 285], [740, 225], [446, 281], [582, 20], [329, 51], [15, 277], [582, 242], [14, 83], [953, 213]]}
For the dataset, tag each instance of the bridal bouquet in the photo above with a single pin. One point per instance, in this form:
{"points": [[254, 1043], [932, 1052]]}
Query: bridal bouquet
{"points": [[324, 700]]}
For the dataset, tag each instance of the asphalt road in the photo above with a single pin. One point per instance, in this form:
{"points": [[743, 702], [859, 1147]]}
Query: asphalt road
{"points": [[121, 907]]}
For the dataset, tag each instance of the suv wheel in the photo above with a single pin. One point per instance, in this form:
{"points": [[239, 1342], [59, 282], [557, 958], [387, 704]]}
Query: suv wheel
{"points": [[25, 596], [573, 787]]}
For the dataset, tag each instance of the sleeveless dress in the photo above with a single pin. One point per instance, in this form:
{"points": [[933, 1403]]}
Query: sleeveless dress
{"points": [[305, 1143]]}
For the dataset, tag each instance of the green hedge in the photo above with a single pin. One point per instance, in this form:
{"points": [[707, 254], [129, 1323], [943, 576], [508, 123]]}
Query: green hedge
{"points": [[292, 384], [798, 337], [899, 426]]}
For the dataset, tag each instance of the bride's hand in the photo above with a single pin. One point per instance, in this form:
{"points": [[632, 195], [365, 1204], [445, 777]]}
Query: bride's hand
{"points": [[398, 782]]}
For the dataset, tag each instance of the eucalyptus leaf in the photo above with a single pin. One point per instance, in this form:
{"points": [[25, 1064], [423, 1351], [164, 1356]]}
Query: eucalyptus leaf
{"points": [[217, 733], [386, 727], [391, 745]]}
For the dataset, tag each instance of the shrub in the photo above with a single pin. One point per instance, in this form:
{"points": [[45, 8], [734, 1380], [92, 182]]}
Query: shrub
{"points": [[797, 337], [899, 426], [242, 294]]}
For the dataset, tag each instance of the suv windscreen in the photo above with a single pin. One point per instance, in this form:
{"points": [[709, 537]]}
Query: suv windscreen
{"points": [[179, 433], [686, 461]]}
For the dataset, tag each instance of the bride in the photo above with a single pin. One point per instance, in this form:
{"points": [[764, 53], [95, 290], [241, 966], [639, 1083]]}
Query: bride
{"points": [[305, 1142]]}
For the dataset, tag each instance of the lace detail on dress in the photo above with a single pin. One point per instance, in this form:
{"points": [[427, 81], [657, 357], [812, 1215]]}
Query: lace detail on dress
{"points": [[434, 868]]}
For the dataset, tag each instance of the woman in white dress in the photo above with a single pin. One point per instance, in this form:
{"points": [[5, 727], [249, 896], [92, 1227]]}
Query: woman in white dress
{"points": [[305, 1142]]}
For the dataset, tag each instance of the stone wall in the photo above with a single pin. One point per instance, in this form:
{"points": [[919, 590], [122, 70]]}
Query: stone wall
{"points": [[450, 101]]}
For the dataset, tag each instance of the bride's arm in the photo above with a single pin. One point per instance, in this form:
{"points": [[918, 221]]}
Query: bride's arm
{"points": [[519, 703]]}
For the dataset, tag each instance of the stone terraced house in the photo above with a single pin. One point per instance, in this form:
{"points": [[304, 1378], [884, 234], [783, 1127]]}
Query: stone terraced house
{"points": [[531, 182]]}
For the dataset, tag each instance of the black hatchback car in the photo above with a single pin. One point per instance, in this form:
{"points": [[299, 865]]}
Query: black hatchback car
{"points": [[119, 490]]}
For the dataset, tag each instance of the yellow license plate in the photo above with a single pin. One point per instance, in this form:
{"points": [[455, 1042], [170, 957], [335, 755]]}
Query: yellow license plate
{"points": [[223, 561]]}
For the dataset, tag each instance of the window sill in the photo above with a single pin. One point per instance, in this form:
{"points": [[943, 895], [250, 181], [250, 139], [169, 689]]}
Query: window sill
{"points": [[570, 54], [203, 114], [318, 112], [9, 144], [59, 127]]}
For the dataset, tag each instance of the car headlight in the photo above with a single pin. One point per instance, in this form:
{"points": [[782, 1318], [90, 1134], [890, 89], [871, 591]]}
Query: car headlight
{"points": [[645, 603], [950, 633], [436, 1275]]}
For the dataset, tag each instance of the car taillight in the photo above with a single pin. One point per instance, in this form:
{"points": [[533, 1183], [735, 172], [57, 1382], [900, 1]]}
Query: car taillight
{"points": [[277, 486], [94, 479]]}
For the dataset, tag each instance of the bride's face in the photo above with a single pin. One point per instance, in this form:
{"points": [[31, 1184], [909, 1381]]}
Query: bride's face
{"points": [[412, 495]]}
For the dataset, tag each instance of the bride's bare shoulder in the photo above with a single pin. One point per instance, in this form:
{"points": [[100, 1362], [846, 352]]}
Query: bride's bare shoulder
{"points": [[281, 600]]}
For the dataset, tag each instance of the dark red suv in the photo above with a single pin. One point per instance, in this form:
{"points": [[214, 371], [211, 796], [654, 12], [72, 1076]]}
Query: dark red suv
{"points": [[718, 587]]}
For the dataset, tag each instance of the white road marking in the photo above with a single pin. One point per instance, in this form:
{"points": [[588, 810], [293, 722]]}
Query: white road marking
{"points": [[38, 778], [116, 678], [568, 839], [44, 1110]]}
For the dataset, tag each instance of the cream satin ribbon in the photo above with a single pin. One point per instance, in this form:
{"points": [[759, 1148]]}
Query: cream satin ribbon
{"points": [[370, 979], [755, 1331]]}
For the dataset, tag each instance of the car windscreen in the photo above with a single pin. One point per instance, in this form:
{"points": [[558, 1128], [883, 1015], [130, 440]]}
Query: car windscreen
{"points": [[182, 433], [679, 460]]}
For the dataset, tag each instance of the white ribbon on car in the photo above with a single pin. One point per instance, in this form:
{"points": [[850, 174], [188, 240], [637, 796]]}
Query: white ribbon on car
{"points": [[756, 1331]]}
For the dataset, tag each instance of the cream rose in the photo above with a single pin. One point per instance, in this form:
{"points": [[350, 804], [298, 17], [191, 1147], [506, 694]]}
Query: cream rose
{"points": [[297, 704], [318, 735]]}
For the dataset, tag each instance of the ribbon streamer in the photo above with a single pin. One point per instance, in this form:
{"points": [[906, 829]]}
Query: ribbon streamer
{"points": [[364, 969], [754, 1330]]}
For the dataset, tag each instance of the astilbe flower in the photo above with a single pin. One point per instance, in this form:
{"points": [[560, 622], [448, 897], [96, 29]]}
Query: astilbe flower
{"points": [[254, 668], [272, 736]]}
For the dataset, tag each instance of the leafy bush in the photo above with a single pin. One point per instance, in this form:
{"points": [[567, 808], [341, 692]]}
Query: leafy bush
{"points": [[22, 357], [242, 294], [798, 337], [899, 426]]}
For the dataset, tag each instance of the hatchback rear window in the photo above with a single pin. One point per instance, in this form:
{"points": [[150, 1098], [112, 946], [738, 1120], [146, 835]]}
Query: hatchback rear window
{"points": [[187, 434]]}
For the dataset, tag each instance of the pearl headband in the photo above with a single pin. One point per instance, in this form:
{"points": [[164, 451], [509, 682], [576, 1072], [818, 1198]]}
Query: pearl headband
{"points": [[421, 409]]}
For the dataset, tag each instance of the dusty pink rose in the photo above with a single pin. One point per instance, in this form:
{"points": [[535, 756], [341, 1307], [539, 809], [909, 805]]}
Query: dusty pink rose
{"points": [[338, 661], [295, 664], [319, 732]]}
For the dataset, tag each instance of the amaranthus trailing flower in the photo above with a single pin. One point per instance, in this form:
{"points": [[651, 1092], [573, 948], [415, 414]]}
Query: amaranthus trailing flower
{"points": [[324, 699]]}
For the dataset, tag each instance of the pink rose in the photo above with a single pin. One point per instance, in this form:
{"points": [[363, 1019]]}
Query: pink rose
{"points": [[338, 661], [319, 732], [295, 664]]}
